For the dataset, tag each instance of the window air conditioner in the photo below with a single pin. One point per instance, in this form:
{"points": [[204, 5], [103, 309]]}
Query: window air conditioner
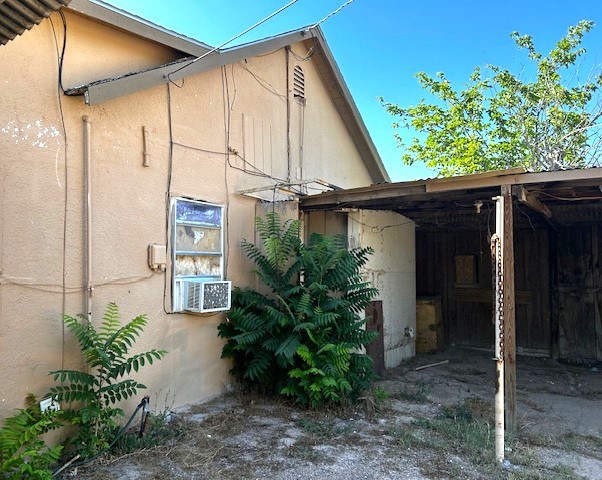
{"points": [[204, 296]]}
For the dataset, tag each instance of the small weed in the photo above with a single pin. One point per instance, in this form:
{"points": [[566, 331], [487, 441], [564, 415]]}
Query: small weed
{"points": [[586, 444], [456, 430], [380, 394], [404, 437], [417, 394], [374, 400], [307, 452], [327, 429], [459, 413], [564, 471]]}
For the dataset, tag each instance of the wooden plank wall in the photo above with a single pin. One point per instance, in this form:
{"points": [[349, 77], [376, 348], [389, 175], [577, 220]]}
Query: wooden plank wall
{"points": [[467, 309], [577, 294]]}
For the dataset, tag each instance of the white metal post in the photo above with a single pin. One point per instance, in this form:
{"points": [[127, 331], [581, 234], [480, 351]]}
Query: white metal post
{"points": [[498, 266]]}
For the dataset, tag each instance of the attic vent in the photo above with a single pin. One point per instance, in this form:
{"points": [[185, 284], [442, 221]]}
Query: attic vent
{"points": [[298, 82]]}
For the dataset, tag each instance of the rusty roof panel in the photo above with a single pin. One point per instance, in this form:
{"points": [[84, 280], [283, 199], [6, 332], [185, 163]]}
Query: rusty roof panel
{"points": [[16, 16]]}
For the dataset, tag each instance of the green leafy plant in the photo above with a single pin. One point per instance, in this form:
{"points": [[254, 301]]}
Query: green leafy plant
{"points": [[23, 453], [499, 120], [92, 394], [304, 337]]}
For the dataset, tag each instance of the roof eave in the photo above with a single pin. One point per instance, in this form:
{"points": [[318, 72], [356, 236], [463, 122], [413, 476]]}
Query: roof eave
{"points": [[365, 196], [109, 89], [129, 22]]}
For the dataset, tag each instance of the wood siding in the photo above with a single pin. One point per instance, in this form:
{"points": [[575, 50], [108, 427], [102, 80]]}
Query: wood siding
{"points": [[467, 309], [577, 298]]}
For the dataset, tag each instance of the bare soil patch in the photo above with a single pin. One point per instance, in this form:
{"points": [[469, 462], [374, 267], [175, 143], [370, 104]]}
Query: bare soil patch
{"points": [[435, 424]]}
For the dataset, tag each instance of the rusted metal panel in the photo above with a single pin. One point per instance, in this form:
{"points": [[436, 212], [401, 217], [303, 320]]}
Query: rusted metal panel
{"points": [[375, 323]]}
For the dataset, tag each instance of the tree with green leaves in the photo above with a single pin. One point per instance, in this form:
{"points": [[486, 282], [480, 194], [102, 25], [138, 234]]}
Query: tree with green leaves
{"points": [[499, 120]]}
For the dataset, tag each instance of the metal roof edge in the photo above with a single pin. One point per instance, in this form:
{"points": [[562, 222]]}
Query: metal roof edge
{"points": [[17, 16], [104, 90], [517, 176], [129, 22]]}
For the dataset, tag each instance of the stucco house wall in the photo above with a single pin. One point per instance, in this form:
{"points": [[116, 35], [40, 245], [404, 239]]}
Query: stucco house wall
{"points": [[241, 107], [392, 270]]}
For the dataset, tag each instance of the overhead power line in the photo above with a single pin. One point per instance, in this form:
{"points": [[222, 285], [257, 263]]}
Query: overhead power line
{"points": [[281, 9], [332, 14]]}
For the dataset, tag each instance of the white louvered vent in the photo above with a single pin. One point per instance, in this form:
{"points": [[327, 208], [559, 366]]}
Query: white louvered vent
{"points": [[203, 296], [298, 82]]}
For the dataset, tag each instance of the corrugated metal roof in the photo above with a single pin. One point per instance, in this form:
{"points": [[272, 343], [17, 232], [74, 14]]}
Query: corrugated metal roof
{"points": [[16, 16]]}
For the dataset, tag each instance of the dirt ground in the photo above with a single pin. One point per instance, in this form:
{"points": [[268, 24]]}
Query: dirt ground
{"points": [[434, 423]]}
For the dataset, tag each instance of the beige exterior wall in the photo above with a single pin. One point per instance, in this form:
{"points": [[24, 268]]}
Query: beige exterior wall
{"points": [[42, 223], [392, 270]]}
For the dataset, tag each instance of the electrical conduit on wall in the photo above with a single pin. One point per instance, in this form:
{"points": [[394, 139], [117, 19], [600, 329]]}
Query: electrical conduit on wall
{"points": [[87, 199]]}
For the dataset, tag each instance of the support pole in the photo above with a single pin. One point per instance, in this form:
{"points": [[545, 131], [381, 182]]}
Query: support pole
{"points": [[509, 313], [498, 271]]}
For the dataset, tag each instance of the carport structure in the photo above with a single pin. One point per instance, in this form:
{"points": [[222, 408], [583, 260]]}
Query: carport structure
{"points": [[552, 248]]}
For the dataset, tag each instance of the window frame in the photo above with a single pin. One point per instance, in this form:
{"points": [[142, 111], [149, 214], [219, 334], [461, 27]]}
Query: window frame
{"points": [[175, 252]]}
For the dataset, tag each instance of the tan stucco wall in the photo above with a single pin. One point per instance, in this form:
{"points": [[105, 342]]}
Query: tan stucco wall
{"points": [[41, 166], [392, 270]]}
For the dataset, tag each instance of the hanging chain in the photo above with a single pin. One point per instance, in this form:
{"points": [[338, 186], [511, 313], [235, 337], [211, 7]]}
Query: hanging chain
{"points": [[497, 277]]}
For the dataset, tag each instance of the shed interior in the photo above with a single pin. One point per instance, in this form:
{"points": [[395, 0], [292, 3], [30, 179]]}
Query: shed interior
{"points": [[557, 250]]}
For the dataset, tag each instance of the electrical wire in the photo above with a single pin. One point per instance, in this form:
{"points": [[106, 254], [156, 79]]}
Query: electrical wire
{"points": [[265, 84], [51, 287], [233, 86], [528, 218], [569, 199], [257, 173], [61, 56], [378, 228], [168, 188], [214, 49], [227, 119], [332, 14], [310, 53], [60, 91]]}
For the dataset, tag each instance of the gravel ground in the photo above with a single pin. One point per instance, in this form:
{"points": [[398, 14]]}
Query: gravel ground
{"points": [[435, 424]]}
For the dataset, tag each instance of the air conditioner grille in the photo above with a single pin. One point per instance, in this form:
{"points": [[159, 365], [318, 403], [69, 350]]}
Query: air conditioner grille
{"points": [[205, 296], [216, 295]]}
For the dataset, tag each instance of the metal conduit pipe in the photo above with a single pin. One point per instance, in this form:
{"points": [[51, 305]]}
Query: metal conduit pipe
{"points": [[88, 203]]}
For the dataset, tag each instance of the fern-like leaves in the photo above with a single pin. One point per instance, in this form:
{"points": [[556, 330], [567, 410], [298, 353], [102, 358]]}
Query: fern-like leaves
{"points": [[88, 395], [300, 339]]}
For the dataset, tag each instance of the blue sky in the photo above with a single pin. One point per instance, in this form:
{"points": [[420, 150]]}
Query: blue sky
{"points": [[379, 45]]}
